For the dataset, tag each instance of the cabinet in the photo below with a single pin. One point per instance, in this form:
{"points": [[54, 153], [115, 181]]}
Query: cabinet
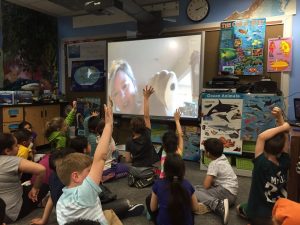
{"points": [[11, 118], [38, 117], [293, 186]]}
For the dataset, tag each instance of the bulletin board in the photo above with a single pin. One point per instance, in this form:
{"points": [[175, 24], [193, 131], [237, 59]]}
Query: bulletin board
{"points": [[211, 55]]}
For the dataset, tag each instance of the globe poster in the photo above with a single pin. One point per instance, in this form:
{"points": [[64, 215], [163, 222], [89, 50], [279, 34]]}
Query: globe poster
{"points": [[241, 46]]}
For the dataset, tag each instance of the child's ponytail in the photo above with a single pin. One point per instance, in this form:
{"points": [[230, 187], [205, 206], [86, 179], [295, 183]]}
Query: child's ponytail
{"points": [[179, 201]]}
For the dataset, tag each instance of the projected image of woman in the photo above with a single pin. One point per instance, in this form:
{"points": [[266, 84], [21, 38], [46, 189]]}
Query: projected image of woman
{"points": [[123, 88]]}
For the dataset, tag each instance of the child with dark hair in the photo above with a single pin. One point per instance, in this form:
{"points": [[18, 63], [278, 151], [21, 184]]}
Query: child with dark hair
{"points": [[173, 198], [172, 143], [93, 123], [2, 211], [220, 186], [20, 200], [57, 128], [26, 125], [80, 144], [269, 175], [139, 148], [24, 138]]}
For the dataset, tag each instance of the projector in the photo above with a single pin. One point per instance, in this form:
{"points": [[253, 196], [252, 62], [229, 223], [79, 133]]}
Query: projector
{"points": [[96, 6]]}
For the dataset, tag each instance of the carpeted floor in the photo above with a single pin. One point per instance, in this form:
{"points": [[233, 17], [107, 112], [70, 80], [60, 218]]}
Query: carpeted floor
{"points": [[193, 174]]}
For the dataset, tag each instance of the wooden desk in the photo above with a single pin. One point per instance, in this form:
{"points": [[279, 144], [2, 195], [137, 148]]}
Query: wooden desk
{"points": [[293, 186]]}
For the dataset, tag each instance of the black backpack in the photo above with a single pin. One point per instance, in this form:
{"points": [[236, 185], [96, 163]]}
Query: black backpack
{"points": [[141, 177]]}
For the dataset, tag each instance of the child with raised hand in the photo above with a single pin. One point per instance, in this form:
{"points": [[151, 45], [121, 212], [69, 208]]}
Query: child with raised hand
{"points": [[171, 142], [57, 128], [269, 176], [139, 148], [220, 185], [173, 198], [82, 176]]}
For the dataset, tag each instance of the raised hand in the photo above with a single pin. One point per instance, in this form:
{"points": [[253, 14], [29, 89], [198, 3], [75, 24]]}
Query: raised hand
{"points": [[110, 101], [277, 113], [74, 105], [148, 91], [108, 115], [177, 115]]}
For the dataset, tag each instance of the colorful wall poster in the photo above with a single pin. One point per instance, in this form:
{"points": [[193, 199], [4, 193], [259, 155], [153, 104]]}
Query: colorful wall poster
{"points": [[241, 46], [257, 116], [279, 54], [88, 75], [191, 139], [222, 118]]}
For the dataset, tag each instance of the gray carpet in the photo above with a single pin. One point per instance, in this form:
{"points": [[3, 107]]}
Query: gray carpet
{"points": [[193, 174]]}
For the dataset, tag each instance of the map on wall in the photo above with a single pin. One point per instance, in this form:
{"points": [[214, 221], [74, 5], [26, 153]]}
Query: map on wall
{"points": [[279, 54], [257, 115], [222, 118], [268, 8], [241, 46]]}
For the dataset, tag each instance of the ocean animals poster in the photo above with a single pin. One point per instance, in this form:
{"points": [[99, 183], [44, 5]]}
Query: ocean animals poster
{"points": [[222, 118], [191, 139], [279, 55], [257, 116], [241, 46]]}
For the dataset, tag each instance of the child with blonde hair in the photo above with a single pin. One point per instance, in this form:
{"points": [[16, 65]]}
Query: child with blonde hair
{"points": [[56, 129], [81, 175]]}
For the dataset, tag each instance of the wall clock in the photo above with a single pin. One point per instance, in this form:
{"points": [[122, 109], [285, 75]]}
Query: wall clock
{"points": [[197, 10]]}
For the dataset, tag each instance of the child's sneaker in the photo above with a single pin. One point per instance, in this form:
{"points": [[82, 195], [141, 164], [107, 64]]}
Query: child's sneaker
{"points": [[241, 211], [223, 210], [202, 209], [135, 210]]}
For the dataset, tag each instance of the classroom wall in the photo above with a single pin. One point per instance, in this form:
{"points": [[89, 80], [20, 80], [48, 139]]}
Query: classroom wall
{"points": [[295, 74], [218, 11]]}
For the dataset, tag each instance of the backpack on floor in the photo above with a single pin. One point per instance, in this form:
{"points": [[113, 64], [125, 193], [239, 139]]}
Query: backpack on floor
{"points": [[141, 177]]}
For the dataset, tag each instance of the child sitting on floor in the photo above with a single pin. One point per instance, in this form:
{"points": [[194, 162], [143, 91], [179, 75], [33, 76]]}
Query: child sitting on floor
{"points": [[173, 198], [269, 176], [220, 186], [171, 143]]}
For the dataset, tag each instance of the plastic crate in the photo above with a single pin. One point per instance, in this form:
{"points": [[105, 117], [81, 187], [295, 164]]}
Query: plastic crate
{"points": [[248, 146], [244, 164]]}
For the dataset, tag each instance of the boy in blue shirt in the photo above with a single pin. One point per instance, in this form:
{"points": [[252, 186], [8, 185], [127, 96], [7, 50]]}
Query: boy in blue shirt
{"points": [[81, 175]]}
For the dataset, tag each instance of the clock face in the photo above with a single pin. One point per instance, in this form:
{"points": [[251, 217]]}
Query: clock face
{"points": [[197, 10]]}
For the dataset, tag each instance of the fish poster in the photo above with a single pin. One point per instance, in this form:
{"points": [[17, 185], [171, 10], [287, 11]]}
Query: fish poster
{"points": [[222, 118], [191, 140], [241, 46], [279, 55], [257, 116]]}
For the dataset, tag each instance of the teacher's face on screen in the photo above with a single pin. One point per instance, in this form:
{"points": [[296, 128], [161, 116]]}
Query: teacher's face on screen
{"points": [[124, 93]]}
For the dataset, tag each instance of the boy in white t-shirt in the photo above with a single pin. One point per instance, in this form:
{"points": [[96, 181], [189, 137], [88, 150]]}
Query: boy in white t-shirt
{"points": [[220, 186]]}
